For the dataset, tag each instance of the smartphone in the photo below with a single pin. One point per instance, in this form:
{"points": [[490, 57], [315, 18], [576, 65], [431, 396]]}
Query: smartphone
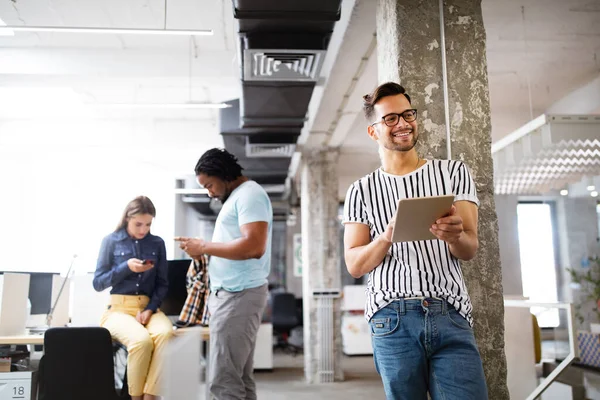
{"points": [[147, 262]]}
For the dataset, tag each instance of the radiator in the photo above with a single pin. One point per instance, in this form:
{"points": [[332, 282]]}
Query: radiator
{"points": [[324, 299]]}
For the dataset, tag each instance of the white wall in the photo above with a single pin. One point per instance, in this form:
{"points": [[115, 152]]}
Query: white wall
{"points": [[65, 183], [508, 239]]}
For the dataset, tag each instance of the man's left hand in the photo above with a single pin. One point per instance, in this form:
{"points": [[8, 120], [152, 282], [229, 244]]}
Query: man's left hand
{"points": [[448, 228], [143, 317], [193, 247]]}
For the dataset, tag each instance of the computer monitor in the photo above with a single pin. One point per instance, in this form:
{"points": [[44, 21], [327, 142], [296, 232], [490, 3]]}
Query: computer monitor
{"points": [[177, 293], [13, 303], [87, 305], [44, 289], [40, 292]]}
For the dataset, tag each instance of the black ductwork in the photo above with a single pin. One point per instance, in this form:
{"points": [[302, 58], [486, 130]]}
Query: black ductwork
{"points": [[282, 45]]}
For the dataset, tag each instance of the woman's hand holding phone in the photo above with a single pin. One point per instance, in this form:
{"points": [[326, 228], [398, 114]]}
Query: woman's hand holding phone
{"points": [[136, 265]]}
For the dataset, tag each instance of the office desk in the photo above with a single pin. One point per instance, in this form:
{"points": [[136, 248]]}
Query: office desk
{"points": [[39, 339], [22, 339], [25, 382], [204, 333]]}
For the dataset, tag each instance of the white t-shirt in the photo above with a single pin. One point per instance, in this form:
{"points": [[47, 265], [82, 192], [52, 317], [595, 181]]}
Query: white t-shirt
{"points": [[411, 269]]}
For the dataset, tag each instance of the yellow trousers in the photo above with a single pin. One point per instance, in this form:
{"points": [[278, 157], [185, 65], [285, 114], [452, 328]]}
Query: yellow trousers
{"points": [[145, 344]]}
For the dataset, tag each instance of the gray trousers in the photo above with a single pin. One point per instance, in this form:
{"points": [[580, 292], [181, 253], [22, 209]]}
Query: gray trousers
{"points": [[234, 321]]}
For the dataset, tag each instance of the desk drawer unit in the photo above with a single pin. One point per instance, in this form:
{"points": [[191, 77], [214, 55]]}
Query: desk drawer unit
{"points": [[18, 385]]}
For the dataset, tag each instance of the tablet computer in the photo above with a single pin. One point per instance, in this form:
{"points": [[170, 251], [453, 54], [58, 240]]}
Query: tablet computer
{"points": [[415, 216]]}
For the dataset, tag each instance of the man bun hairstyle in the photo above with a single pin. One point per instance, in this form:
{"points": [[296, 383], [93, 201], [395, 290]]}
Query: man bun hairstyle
{"points": [[381, 91]]}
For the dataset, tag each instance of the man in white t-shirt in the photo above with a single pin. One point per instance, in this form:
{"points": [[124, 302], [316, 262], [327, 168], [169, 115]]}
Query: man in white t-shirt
{"points": [[418, 307], [240, 262]]}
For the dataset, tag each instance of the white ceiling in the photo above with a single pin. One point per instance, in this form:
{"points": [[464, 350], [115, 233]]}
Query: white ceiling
{"points": [[542, 55], [124, 68], [148, 14], [93, 68], [546, 48]]}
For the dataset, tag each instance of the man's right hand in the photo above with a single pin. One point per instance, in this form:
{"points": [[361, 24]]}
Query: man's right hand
{"points": [[194, 247], [387, 235], [137, 266]]}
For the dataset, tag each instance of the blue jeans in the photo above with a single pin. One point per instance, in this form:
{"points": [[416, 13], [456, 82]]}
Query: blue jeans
{"points": [[422, 346]]}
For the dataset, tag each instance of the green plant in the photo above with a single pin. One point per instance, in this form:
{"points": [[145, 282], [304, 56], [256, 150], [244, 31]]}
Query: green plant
{"points": [[589, 286]]}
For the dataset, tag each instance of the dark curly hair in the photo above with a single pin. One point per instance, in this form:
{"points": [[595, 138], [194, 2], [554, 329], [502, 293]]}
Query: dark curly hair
{"points": [[219, 163], [381, 91]]}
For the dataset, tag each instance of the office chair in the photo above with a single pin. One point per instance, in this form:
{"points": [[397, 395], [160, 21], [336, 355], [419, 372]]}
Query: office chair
{"points": [[284, 318], [77, 364]]}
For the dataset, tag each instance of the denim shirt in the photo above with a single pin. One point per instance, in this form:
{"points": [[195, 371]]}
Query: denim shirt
{"points": [[112, 269]]}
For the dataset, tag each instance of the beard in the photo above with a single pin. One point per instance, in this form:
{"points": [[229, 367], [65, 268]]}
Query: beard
{"points": [[391, 145], [225, 196]]}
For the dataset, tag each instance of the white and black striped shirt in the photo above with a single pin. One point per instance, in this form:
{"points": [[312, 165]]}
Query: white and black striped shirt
{"points": [[411, 269]]}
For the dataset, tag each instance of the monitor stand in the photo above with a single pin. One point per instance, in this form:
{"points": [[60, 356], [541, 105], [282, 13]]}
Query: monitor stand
{"points": [[40, 330]]}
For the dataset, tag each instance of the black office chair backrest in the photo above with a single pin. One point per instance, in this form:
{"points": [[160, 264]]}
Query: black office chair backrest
{"points": [[177, 291], [77, 364], [284, 311]]}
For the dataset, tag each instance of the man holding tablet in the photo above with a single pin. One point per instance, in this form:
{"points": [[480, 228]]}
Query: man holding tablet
{"points": [[418, 307]]}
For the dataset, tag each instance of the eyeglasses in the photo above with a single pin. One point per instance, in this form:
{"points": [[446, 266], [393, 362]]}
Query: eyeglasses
{"points": [[393, 118]]}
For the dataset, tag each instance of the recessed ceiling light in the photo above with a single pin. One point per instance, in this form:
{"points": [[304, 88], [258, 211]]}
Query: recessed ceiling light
{"points": [[170, 106], [591, 187], [594, 194], [564, 192], [111, 31]]}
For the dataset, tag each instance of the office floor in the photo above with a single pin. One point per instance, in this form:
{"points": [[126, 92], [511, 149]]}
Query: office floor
{"points": [[286, 381]]}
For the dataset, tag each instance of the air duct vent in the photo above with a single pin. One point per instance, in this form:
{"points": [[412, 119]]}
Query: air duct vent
{"points": [[269, 150], [282, 65]]}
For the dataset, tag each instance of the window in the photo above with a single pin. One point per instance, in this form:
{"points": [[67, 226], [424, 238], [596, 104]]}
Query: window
{"points": [[538, 258], [598, 214]]}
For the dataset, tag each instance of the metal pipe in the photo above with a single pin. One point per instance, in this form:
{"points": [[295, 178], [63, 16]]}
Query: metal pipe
{"points": [[445, 81]]}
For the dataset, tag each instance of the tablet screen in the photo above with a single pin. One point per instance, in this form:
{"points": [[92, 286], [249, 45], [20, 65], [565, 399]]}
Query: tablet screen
{"points": [[415, 216]]}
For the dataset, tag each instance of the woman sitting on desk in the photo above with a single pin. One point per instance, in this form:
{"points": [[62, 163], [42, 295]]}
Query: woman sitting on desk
{"points": [[134, 263]]}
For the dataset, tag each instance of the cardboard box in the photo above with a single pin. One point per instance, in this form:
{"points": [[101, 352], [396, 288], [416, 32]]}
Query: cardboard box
{"points": [[4, 364], [589, 348]]}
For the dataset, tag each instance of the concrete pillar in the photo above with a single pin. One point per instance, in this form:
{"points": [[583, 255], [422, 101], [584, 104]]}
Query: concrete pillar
{"points": [[408, 45], [320, 258]]}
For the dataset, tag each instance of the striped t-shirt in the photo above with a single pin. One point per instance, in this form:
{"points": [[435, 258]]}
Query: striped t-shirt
{"points": [[411, 269]]}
